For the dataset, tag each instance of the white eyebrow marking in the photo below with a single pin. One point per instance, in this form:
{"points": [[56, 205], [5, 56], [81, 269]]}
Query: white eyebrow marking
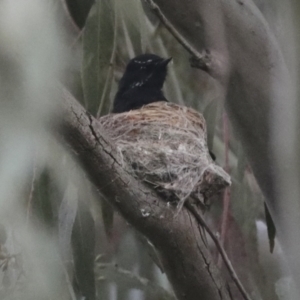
{"points": [[143, 62]]}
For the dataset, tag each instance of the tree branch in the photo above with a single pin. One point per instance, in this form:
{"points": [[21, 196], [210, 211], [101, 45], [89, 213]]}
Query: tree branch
{"points": [[186, 260], [199, 60]]}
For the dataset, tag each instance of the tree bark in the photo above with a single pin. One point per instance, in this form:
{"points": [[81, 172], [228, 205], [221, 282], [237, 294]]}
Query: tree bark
{"points": [[183, 253]]}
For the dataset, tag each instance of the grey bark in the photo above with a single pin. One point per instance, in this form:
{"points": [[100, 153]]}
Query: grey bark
{"points": [[184, 255]]}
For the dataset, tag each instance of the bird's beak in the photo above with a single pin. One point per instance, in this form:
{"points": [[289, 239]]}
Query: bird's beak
{"points": [[165, 62]]}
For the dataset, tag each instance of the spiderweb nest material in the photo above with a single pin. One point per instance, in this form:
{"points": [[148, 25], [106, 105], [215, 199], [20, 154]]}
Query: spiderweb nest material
{"points": [[164, 145]]}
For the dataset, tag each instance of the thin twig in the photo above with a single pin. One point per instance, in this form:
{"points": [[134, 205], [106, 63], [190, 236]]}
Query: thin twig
{"points": [[221, 250], [199, 59], [172, 30]]}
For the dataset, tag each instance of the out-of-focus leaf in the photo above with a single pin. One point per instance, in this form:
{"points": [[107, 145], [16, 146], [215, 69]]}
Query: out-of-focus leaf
{"points": [[83, 246], [127, 279], [210, 114], [285, 288], [3, 235], [130, 48], [79, 10], [149, 255], [271, 228], [241, 165], [98, 47], [42, 204], [133, 25], [107, 217], [66, 218]]}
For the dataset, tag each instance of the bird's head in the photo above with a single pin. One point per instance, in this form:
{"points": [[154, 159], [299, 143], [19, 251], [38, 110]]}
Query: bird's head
{"points": [[146, 70]]}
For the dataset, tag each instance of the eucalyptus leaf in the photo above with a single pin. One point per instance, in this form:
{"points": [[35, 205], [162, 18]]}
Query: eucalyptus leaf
{"points": [[210, 114], [133, 24], [83, 246], [44, 195], [79, 10], [98, 48], [66, 218]]}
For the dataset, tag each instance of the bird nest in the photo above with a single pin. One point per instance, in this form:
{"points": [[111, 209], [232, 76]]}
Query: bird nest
{"points": [[164, 145]]}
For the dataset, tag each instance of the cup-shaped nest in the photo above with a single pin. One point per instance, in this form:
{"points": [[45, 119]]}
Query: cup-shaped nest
{"points": [[165, 145]]}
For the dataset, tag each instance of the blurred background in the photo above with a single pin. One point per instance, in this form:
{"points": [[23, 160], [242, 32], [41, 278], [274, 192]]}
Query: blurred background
{"points": [[57, 239]]}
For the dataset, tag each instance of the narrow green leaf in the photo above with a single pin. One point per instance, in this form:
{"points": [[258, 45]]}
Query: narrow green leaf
{"points": [[210, 114], [133, 22], [43, 198], [271, 228], [99, 48], [98, 55], [83, 246]]}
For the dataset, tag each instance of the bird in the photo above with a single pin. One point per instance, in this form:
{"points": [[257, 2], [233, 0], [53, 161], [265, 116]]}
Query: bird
{"points": [[159, 142], [142, 84]]}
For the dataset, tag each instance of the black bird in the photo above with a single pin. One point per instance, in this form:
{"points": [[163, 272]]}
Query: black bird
{"points": [[141, 83]]}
